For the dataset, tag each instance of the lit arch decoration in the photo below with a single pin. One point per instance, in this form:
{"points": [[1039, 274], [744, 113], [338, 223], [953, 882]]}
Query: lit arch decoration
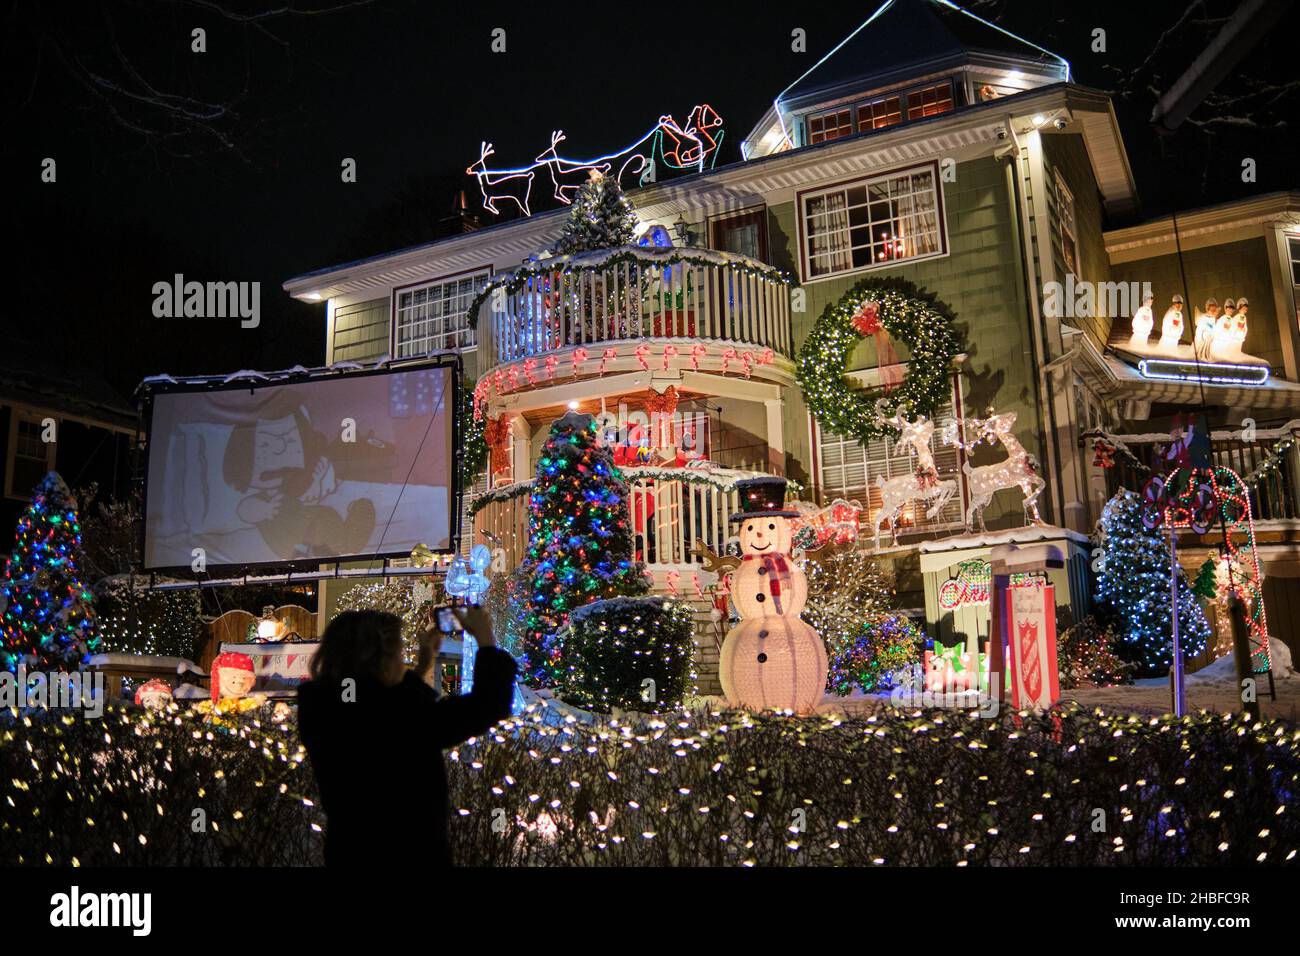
{"points": [[1197, 499]]}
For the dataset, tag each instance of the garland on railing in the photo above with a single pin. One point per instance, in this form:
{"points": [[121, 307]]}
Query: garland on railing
{"points": [[722, 479], [1271, 462], [516, 280]]}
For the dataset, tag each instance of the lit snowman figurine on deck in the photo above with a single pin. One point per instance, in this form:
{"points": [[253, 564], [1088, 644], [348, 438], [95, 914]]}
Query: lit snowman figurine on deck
{"points": [[771, 660]]}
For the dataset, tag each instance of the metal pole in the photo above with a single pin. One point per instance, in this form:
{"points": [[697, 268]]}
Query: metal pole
{"points": [[1241, 655], [1176, 672]]}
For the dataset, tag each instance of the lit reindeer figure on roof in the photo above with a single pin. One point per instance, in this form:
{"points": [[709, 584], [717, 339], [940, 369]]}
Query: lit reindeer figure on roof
{"points": [[515, 185], [1015, 471], [922, 485]]}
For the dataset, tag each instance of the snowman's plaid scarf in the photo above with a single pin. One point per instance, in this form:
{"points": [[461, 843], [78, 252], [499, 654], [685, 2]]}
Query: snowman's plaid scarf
{"points": [[776, 566]]}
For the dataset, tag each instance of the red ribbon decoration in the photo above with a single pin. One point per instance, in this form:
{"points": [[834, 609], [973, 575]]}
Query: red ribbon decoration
{"points": [[866, 321], [496, 432]]}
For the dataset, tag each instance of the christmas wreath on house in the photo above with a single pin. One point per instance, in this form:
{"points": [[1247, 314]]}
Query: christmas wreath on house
{"points": [[884, 308]]}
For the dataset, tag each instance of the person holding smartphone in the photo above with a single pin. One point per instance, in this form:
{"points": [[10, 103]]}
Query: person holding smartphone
{"points": [[375, 732]]}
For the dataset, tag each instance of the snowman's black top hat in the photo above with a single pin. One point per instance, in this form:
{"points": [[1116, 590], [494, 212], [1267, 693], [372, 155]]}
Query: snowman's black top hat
{"points": [[762, 497]]}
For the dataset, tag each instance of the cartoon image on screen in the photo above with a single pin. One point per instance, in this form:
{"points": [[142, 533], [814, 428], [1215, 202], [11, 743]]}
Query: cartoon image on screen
{"points": [[300, 472]]}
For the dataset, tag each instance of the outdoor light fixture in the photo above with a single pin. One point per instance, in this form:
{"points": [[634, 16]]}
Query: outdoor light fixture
{"points": [[683, 230], [1211, 373], [267, 625], [573, 405]]}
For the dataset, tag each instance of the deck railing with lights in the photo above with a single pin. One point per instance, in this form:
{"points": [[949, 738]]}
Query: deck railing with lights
{"points": [[592, 300]]}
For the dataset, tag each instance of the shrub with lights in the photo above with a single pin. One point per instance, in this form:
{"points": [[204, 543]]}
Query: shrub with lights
{"points": [[1133, 588], [135, 621], [872, 658], [49, 613], [877, 307], [579, 541], [633, 653], [1087, 655]]}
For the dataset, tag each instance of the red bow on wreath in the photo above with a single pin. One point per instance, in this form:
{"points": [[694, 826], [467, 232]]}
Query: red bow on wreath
{"points": [[867, 319], [1105, 457]]}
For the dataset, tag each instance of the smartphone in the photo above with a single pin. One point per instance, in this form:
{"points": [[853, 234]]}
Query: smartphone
{"points": [[448, 623]]}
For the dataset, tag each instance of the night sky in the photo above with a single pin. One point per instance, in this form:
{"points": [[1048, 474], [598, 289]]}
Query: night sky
{"points": [[241, 181]]}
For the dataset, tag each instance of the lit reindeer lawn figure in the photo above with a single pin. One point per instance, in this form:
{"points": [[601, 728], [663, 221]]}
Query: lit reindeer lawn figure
{"points": [[922, 485], [1015, 471]]}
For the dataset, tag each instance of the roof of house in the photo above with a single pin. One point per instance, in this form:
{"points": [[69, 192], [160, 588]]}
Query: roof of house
{"points": [[73, 390], [905, 34]]}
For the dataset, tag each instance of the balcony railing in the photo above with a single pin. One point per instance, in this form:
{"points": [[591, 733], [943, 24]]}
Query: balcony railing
{"points": [[592, 299], [1274, 496], [668, 514]]}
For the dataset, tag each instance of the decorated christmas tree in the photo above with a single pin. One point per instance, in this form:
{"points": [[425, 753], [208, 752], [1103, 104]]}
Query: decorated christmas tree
{"points": [[601, 218], [49, 614], [580, 540], [1133, 585]]}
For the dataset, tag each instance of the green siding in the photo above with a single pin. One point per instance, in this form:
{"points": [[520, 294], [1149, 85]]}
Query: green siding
{"points": [[360, 332], [981, 280], [1065, 153], [1226, 271]]}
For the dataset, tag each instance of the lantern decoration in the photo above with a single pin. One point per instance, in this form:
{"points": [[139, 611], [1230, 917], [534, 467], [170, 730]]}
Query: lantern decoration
{"points": [[497, 435], [771, 660]]}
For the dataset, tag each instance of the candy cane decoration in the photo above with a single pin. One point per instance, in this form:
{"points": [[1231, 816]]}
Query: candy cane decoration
{"points": [[670, 352], [699, 587], [748, 358], [671, 579], [499, 378], [530, 364], [698, 351], [579, 357], [551, 362], [642, 351], [766, 357], [512, 375], [728, 354], [605, 356]]}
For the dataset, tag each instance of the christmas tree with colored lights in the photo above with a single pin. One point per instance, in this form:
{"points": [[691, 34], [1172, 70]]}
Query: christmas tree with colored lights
{"points": [[49, 614], [579, 540], [602, 217], [1133, 586]]}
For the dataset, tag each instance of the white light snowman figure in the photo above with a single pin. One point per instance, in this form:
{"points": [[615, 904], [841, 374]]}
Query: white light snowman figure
{"points": [[771, 660]]}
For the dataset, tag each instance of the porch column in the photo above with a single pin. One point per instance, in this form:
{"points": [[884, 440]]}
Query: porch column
{"points": [[775, 436]]}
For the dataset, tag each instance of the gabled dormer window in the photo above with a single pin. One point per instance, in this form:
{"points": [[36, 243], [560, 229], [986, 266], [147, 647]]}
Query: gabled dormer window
{"points": [[878, 112]]}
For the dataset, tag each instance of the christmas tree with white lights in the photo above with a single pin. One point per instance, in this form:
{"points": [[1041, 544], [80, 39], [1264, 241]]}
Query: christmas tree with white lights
{"points": [[602, 217], [49, 613], [1133, 584]]}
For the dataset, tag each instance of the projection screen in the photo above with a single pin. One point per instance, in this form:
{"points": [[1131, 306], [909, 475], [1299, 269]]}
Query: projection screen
{"points": [[346, 467]]}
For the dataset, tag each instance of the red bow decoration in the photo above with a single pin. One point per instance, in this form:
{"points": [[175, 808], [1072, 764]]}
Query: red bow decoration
{"points": [[1105, 457], [867, 319], [665, 404], [496, 433]]}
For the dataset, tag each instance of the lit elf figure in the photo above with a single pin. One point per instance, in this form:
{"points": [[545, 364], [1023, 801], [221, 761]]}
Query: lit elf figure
{"points": [[771, 660], [1171, 327]]}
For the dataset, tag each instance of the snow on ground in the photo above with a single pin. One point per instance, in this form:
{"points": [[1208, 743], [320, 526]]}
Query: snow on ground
{"points": [[1211, 688]]}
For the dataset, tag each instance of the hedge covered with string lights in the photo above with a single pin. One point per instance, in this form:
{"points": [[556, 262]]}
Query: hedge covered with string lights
{"points": [[939, 788]]}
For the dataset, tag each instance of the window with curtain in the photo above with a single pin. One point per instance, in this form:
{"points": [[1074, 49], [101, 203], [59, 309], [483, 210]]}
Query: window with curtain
{"points": [[873, 222], [435, 316], [849, 470]]}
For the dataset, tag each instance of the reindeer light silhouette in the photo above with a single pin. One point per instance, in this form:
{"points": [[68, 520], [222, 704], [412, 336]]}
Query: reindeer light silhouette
{"points": [[1016, 470], [667, 145], [515, 185], [922, 485]]}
